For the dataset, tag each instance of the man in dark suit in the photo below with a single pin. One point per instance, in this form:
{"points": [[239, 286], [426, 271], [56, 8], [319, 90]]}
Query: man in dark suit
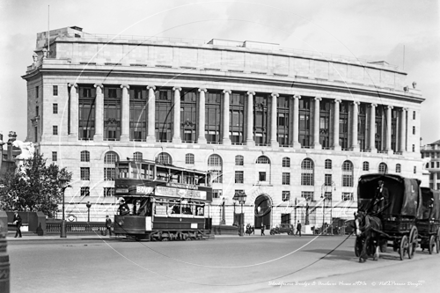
{"points": [[381, 199], [17, 222], [108, 225]]}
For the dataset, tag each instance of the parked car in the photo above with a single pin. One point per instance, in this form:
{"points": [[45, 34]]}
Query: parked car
{"points": [[283, 228]]}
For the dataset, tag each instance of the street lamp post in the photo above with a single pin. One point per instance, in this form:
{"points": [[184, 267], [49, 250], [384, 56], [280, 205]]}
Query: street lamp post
{"points": [[63, 229], [223, 221], [88, 205], [242, 201]]}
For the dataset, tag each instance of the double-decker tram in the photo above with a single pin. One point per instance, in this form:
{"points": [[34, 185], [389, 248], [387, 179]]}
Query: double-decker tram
{"points": [[162, 202]]}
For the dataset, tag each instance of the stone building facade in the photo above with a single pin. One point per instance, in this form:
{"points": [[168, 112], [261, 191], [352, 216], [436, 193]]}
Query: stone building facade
{"points": [[293, 130], [431, 156]]}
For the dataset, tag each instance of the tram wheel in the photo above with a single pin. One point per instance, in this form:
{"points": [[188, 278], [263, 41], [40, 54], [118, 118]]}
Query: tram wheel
{"points": [[431, 244]]}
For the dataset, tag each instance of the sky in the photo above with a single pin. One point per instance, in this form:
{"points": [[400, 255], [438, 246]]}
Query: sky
{"points": [[404, 33]]}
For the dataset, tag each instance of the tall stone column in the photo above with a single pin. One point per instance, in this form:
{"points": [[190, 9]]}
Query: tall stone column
{"points": [[295, 141], [151, 102], [336, 145], [99, 113], [226, 139], [403, 130], [201, 139], [176, 112], [273, 121], [316, 144], [74, 104], [373, 128], [388, 140], [125, 121], [354, 134], [250, 120]]}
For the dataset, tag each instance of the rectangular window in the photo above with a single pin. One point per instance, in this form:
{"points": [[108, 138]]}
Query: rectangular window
{"points": [[415, 170], [37, 92], [55, 108], [285, 218], [285, 195], [438, 166], [328, 180], [109, 174], [54, 156], [414, 130], [286, 178], [85, 173], [216, 193], [347, 196], [347, 180], [55, 90], [239, 176], [414, 115], [413, 148], [85, 191], [37, 111], [55, 130], [262, 176], [308, 195], [109, 191], [307, 179]]}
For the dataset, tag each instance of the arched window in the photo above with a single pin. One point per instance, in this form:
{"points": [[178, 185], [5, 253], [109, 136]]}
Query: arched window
{"points": [[164, 158], [328, 164], [85, 156], [347, 174], [189, 159], [365, 166], [383, 168], [137, 156], [215, 166], [398, 168], [263, 160], [286, 162], [307, 172], [239, 160], [427, 165], [110, 159]]}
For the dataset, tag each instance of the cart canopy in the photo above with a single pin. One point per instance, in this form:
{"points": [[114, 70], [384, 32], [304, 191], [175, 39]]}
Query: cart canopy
{"points": [[404, 194], [436, 208]]}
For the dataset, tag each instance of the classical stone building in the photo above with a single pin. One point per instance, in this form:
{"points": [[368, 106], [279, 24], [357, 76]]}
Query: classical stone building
{"points": [[288, 128], [431, 154]]}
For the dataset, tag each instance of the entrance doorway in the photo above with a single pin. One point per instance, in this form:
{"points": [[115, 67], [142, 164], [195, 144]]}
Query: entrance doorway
{"points": [[263, 211]]}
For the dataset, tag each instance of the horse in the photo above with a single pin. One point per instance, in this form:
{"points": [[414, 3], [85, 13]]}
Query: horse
{"points": [[367, 229]]}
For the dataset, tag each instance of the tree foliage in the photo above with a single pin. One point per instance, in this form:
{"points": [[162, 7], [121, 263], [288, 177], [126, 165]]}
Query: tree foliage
{"points": [[34, 187]]}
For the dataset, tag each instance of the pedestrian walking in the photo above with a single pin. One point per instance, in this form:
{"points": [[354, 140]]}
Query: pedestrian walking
{"points": [[298, 228], [17, 222], [108, 225], [262, 229]]}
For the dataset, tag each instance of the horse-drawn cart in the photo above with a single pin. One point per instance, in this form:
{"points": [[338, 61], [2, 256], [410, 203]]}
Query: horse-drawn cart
{"points": [[428, 220], [387, 210]]}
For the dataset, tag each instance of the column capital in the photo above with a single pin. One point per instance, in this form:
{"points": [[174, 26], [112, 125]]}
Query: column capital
{"points": [[151, 87], [337, 101], [318, 98], [98, 85], [250, 93], [177, 88], [372, 105], [356, 103], [203, 90], [72, 84], [125, 86], [227, 91], [389, 107], [404, 109], [297, 97], [275, 95]]}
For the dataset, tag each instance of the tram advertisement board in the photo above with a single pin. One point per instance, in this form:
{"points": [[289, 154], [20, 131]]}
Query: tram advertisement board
{"points": [[177, 192]]}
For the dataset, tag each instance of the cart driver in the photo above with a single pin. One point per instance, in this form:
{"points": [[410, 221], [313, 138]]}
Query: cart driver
{"points": [[123, 208], [380, 200]]}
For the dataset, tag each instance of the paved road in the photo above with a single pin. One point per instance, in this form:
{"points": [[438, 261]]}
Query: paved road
{"points": [[226, 264]]}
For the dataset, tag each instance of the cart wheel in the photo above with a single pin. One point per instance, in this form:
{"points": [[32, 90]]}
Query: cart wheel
{"points": [[437, 242], [431, 244], [272, 232], [403, 246], [290, 232], [413, 241]]}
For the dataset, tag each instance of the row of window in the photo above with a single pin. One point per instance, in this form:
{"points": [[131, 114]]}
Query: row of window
{"points": [[433, 165]]}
